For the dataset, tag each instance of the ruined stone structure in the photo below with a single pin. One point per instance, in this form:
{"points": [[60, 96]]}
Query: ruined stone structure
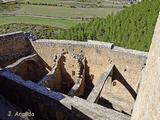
{"points": [[71, 80]]}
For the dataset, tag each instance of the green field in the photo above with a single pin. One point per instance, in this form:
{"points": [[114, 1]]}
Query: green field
{"points": [[65, 1], [40, 1], [60, 12], [36, 20], [78, 3], [63, 17]]}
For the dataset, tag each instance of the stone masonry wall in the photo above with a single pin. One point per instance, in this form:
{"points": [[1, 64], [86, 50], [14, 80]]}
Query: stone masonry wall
{"points": [[12, 47], [98, 56], [147, 106], [50, 105], [27, 94]]}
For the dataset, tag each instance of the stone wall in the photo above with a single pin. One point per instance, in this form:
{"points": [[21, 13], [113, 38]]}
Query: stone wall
{"points": [[29, 95], [29, 68], [49, 105], [12, 47], [99, 55], [60, 79], [147, 106], [53, 80]]}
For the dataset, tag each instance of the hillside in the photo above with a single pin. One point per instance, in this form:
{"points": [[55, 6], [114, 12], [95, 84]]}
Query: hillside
{"points": [[130, 28]]}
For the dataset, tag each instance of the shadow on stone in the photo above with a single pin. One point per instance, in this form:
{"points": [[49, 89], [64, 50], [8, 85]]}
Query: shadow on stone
{"points": [[88, 81], [118, 76]]}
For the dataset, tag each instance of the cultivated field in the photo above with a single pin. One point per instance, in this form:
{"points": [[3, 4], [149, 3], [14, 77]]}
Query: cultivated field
{"points": [[40, 1], [37, 20], [54, 12], [60, 12]]}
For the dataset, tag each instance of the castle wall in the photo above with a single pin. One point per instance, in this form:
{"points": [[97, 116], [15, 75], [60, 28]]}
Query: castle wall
{"points": [[99, 55], [27, 94], [124, 82], [12, 47], [51, 105], [147, 106]]}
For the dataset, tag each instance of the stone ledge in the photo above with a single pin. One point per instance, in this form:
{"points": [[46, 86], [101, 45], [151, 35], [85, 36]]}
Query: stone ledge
{"points": [[12, 34], [78, 43], [97, 112], [94, 44], [94, 95], [55, 99]]}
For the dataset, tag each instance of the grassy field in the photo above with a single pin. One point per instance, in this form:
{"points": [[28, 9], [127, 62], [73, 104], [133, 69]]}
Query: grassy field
{"points": [[40, 1], [59, 12], [78, 3], [52, 15], [63, 1], [36, 20]]}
